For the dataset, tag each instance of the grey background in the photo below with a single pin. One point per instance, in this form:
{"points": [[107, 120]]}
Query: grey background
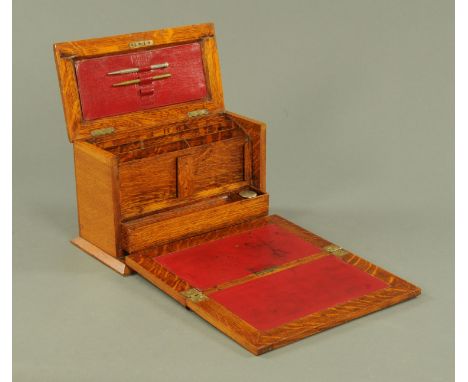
{"points": [[358, 97]]}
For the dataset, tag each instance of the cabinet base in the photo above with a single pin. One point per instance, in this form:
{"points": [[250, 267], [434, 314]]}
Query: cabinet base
{"points": [[117, 265]]}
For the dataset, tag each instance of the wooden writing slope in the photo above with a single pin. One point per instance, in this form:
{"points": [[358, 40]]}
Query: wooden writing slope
{"points": [[172, 186]]}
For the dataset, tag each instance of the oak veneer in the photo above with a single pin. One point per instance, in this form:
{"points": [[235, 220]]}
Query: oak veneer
{"points": [[260, 341], [159, 182], [97, 197], [148, 231], [156, 158]]}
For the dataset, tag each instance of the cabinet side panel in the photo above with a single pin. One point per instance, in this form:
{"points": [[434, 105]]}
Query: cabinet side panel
{"points": [[257, 132], [97, 195]]}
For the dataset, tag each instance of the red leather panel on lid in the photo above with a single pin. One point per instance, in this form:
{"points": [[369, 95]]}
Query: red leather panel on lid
{"points": [[232, 257], [100, 99], [271, 301]]}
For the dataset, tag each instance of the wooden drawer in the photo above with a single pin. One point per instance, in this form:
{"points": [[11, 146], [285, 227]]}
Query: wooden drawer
{"points": [[193, 219]]}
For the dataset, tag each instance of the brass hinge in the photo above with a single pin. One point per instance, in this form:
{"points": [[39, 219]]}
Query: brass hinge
{"points": [[101, 132], [335, 250], [265, 271], [194, 294], [197, 113]]}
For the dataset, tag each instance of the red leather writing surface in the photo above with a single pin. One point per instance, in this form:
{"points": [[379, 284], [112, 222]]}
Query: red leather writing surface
{"points": [[216, 262], [270, 301], [100, 99]]}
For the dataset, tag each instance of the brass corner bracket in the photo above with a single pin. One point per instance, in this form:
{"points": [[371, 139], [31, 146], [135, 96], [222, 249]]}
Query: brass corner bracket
{"points": [[194, 295], [335, 250]]}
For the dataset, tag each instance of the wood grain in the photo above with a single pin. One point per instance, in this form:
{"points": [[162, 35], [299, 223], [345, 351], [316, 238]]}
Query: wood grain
{"points": [[67, 52], [145, 182], [143, 167], [256, 131], [256, 341], [159, 276], [164, 181], [184, 176], [97, 197], [219, 164], [147, 232], [195, 240], [198, 125], [117, 264], [151, 183]]}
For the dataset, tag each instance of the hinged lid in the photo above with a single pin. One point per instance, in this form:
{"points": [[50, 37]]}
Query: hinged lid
{"points": [[268, 282], [119, 84]]}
